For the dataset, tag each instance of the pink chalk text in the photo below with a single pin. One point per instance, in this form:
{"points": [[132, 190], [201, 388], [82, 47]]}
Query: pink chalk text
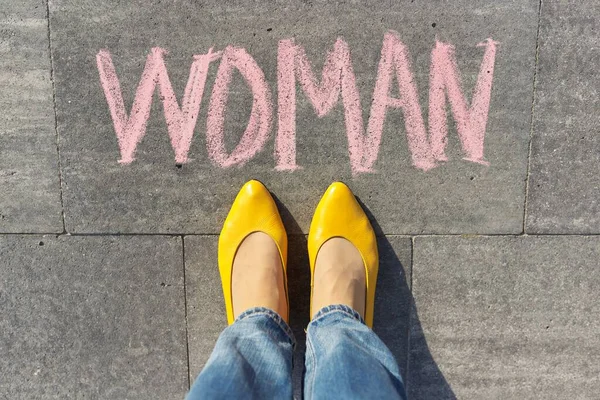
{"points": [[337, 84]]}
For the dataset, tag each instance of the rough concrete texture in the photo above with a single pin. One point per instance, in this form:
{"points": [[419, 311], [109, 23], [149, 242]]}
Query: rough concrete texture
{"points": [[204, 297], [564, 186], [506, 317], [153, 195], [92, 317], [206, 310], [30, 200], [85, 313]]}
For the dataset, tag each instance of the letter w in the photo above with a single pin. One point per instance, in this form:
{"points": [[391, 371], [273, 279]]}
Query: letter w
{"points": [[180, 121]]}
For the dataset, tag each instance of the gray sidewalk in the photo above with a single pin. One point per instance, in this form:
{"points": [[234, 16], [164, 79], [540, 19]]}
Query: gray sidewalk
{"points": [[489, 276]]}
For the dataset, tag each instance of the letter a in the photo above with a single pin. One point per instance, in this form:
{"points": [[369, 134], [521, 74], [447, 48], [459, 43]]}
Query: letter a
{"points": [[394, 60]]}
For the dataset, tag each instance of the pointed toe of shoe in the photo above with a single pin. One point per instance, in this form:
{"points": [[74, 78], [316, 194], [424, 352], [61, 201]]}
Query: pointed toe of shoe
{"points": [[253, 210], [339, 214]]}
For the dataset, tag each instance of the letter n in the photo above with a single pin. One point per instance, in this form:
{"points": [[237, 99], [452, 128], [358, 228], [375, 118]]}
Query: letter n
{"points": [[444, 79]]}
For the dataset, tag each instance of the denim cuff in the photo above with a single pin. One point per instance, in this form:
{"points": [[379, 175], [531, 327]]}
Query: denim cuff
{"points": [[338, 309], [272, 316]]}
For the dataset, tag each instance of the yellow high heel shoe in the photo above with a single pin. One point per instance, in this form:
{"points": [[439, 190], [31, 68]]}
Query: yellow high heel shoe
{"points": [[338, 214], [253, 210]]}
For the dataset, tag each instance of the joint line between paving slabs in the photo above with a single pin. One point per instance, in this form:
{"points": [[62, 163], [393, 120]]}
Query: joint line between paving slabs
{"points": [[535, 71], [423, 235], [410, 306], [167, 234], [187, 337], [500, 235], [62, 207]]}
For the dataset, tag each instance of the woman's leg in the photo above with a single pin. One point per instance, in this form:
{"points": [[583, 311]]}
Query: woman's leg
{"points": [[252, 359], [345, 359], [253, 356]]}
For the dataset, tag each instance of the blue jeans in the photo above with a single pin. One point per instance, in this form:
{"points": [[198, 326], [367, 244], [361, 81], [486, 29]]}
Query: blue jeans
{"points": [[344, 359]]}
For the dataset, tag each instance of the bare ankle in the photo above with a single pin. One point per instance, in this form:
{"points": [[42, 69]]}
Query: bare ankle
{"points": [[258, 279], [339, 276]]}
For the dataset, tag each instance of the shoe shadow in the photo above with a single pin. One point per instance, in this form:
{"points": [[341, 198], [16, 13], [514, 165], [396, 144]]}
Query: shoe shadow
{"points": [[396, 317], [298, 274]]}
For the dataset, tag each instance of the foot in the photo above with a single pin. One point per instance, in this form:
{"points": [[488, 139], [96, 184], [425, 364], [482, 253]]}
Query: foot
{"points": [[339, 276], [257, 277]]}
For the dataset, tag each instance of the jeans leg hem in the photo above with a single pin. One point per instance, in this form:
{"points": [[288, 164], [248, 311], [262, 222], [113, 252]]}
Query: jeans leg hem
{"points": [[267, 312], [341, 308]]}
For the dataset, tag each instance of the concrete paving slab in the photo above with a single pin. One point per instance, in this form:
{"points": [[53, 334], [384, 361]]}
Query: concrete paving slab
{"points": [[507, 317], [206, 311], [92, 317], [564, 185], [152, 194], [30, 200], [204, 298]]}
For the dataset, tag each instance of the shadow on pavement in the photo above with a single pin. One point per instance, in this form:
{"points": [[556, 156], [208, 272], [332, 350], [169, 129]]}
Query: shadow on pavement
{"points": [[298, 274], [398, 327], [394, 307]]}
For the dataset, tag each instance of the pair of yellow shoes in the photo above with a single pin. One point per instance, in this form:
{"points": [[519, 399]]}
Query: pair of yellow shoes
{"points": [[337, 215]]}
